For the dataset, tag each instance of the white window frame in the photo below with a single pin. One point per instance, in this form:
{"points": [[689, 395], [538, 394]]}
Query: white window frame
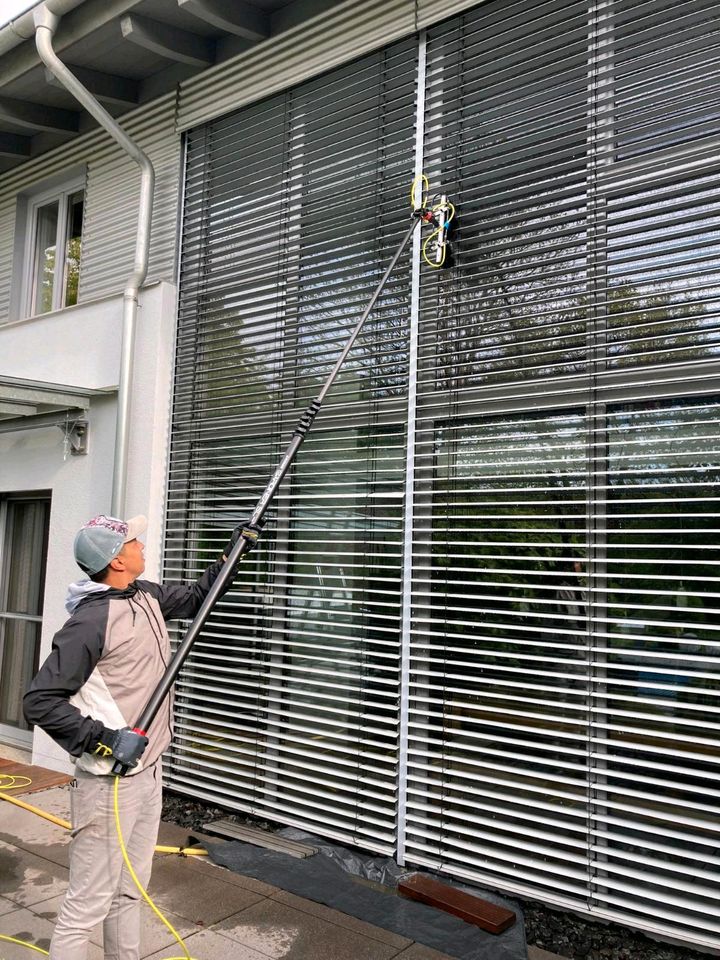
{"points": [[60, 193]]}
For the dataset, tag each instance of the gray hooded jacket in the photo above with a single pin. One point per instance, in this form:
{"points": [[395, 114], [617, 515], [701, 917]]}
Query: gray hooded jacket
{"points": [[105, 663]]}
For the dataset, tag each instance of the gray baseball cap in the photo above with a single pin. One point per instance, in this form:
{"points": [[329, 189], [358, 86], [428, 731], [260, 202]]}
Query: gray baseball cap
{"points": [[101, 539]]}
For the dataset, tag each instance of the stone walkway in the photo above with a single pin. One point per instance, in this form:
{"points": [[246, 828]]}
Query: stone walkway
{"points": [[220, 915]]}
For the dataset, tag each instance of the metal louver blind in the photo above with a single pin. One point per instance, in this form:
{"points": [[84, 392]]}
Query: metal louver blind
{"points": [[563, 637], [564, 664], [288, 706]]}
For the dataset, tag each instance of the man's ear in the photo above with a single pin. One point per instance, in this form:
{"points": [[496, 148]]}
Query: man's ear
{"points": [[117, 563]]}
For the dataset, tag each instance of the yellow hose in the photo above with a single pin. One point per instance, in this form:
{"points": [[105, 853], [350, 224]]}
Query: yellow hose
{"points": [[137, 883], [182, 851], [31, 946], [15, 783]]}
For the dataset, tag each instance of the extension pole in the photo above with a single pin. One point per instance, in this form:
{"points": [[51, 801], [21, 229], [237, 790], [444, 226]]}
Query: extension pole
{"points": [[229, 568]]}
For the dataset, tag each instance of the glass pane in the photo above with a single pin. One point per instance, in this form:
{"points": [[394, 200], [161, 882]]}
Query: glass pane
{"points": [[657, 692], [19, 650], [506, 136], [44, 257], [25, 552], [663, 244], [667, 85], [73, 244], [499, 650]]}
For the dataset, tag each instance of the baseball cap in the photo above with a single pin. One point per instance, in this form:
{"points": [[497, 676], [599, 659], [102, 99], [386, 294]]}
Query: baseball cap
{"points": [[101, 539]]}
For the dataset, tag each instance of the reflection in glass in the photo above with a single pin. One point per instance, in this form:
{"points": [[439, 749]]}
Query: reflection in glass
{"points": [[657, 699], [20, 645], [44, 257], [499, 662], [22, 586], [73, 244], [661, 304]]}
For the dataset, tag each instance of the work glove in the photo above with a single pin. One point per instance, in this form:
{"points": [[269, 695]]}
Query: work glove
{"points": [[251, 531], [124, 745]]}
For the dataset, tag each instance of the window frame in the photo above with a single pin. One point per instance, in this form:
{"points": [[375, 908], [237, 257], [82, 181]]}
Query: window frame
{"points": [[62, 194]]}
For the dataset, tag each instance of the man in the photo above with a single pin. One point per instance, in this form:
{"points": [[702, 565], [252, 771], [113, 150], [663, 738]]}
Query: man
{"points": [[105, 663]]}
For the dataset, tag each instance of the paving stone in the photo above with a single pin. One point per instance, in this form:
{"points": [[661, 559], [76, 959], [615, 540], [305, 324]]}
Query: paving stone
{"points": [[171, 835], [7, 906], [179, 886], [26, 830], [26, 878], [277, 930], [208, 945], [342, 920], [419, 952], [229, 876], [154, 936], [26, 925], [48, 910]]}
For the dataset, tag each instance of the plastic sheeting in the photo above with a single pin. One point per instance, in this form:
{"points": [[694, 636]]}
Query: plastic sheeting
{"points": [[334, 877]]}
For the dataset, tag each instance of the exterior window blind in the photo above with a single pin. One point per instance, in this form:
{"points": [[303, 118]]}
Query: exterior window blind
{"points": [[541, 600], [288, 706], [563, 735]]}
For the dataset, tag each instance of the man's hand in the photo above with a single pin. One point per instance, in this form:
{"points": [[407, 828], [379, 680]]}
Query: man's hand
{"points": [[124, 745], [250, 531]]}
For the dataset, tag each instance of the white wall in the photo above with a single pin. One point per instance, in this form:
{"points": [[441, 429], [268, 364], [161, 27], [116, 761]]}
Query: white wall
{"points": [[80, 346]]}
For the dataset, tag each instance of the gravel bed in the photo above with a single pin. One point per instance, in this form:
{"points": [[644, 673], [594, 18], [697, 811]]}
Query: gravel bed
{"points": [[553, 930], [581, 939]]}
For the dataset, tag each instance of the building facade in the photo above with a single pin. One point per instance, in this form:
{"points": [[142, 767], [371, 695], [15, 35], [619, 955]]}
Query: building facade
{"points": [[480, 632]]}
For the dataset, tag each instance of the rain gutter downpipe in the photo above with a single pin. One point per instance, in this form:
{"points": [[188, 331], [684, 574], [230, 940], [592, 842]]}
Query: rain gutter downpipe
{"points": [[46, 24]]}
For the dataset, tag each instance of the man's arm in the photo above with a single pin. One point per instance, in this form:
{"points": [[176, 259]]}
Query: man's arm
{"points": [[182, 601], [178, 601], [76, 649]]}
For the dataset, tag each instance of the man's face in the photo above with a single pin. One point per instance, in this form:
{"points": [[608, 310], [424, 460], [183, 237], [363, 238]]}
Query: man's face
{"points": [[133, 556]]}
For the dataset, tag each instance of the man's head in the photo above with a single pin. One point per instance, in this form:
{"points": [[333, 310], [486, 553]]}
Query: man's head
{"points": [[108, 551]]}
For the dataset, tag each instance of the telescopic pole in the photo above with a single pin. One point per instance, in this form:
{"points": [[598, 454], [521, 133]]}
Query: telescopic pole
{"points": [[245, 543]]}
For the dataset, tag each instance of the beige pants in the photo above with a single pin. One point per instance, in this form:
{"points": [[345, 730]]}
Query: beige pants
{"points": [[101, 888]]}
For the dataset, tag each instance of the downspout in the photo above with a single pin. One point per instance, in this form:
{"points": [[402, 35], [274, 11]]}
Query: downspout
{"points": [[45, 26]]}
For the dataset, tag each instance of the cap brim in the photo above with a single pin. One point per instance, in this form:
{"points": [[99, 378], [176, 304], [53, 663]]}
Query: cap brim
{"points": [[136, 526]]}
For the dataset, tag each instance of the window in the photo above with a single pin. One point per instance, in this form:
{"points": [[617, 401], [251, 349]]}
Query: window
{"points": [[518, 566], [24, 521], [53, 249], [281, 248]]}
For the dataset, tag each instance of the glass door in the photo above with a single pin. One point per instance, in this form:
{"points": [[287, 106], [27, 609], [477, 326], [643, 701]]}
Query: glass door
{"points": [[24, 521]]}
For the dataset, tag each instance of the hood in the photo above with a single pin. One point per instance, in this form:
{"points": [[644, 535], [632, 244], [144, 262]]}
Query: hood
{"points": [[79, 590]]}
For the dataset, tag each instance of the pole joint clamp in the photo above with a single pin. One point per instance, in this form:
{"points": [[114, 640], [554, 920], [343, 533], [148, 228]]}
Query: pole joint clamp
{"points": [[306, 420]]}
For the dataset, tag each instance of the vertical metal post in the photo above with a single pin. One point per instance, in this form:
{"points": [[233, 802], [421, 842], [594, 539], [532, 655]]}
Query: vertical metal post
{"points": [[600, 152], [408, 519]]}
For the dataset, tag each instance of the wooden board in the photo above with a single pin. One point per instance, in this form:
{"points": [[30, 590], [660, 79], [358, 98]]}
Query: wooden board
{"points": [[488, 916], [260, 838], [41, 778]]}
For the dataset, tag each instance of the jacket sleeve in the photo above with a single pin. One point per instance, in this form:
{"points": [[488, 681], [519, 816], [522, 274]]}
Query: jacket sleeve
{"points": [[182, 601], [76, 649]]}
